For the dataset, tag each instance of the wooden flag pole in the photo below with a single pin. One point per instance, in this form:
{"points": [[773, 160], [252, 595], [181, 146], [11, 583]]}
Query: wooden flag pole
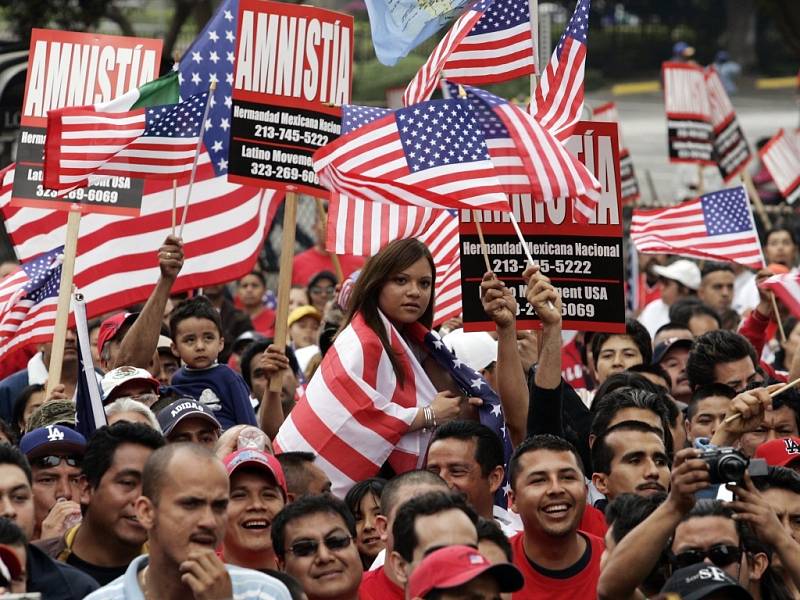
{"points": [[777, 316], [64, 296], [778, 392], [284, 279], [483, 242], [196, 156], [524, 244], [323, 217], [756, 199]]}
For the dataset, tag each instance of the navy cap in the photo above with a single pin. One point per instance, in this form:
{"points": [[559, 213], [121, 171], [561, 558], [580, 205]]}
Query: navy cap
{"points": [[53, 439], [183, 408], [661, 350], [701, 580]]}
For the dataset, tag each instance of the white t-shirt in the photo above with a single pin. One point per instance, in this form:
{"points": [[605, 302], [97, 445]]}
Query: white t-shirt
{"points": [[654, 315]]}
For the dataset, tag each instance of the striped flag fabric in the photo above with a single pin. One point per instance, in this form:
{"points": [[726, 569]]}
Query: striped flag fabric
{"points": [[781, 156], [431, 154], [29, 302], [535, 162], [355, 416], [425, 81], [116, 264], [153, 142], [786, 288], [717, 226], [362, 228], [499, 47], [558, 101]]}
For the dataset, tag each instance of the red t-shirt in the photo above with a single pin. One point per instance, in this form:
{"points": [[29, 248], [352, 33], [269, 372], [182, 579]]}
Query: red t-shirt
{"points": [[310, 262], [375, 585], [572, 369], [594, 522], [264, 323], [577, 582]]}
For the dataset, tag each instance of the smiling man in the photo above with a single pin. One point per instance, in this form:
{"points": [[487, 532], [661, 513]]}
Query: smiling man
{"points": [[183, 508], [548, 491], [110, 536]]}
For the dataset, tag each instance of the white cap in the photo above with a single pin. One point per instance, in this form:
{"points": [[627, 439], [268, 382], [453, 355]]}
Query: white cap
{"points": [[683, 271], [477, 349], [116, 377]]}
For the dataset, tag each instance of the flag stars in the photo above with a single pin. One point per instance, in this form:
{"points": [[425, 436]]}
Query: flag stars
{"points": [[196, 57], [212, 35], [228, 16], [213, 56]]}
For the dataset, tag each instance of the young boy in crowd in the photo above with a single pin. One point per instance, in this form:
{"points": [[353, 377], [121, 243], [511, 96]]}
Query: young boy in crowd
{"points": [[196, 331]]}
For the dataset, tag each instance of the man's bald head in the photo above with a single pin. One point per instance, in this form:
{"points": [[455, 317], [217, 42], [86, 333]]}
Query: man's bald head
{"points": [[157, 469]]}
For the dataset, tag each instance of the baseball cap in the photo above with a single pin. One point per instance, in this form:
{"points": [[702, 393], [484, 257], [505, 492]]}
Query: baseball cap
{"points": [[245, 339], [53, 439], [10, 566], [111, 326], [780, 452], [683, 271], [682, 49], [477, 349], [116, 377], [164, 344], [183, 408], [664, 347], [303, 311], [452, 566], [701, 580], [252, 457]]}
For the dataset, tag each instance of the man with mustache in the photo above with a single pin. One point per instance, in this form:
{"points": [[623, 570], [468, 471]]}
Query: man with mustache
{"points": [[630, 458], [183, 508]]}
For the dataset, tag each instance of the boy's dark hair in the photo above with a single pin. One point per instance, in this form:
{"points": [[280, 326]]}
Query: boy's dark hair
{"points": [[713, 348], [788, 230], [634, 330], [488, 447], [653, 369], [706, 391], [199, 307], [791, 400], [308, 505], [294, 469], [11, 455], [432, 503], [681, 310], [489, 530], [416, 477], [625, 379], [104, 443], [544, 441], [626, 511], [373, 485], [713, 267], [21, 402], [258, 275], [628, 397], [779, 478], [11, 534], [667, 326], [256, 348], [603, 454]]}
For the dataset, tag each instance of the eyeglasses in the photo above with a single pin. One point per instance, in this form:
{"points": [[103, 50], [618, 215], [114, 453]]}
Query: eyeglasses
{"points": [[721, 555], [48, 462], [310, 547]]}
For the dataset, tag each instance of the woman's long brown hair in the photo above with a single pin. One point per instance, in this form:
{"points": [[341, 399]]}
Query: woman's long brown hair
{"points": [[396, 256]]}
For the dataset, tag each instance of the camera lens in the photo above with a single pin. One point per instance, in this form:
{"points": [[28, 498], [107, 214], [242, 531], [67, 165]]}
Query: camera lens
{"points": [[731, 467]]}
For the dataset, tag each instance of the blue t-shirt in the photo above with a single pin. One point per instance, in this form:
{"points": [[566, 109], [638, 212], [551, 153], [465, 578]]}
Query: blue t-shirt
{"points": [[221, 389]]}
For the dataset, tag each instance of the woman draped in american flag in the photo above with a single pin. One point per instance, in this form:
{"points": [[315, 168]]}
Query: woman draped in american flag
{"points": [[378, 391]]}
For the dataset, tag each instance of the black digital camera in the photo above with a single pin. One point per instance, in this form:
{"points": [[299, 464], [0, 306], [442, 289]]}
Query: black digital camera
{"points": [[727, 465]]}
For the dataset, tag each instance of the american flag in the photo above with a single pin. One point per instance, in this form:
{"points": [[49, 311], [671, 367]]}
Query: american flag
{"points": [[786, 288], [431, 154], [355, 416], [152, 142], [210, 60], [499, 47], [716, 226], [535, 161], [781, 156], [427, 78], [362, 228], [558, 100], [29, 301]]}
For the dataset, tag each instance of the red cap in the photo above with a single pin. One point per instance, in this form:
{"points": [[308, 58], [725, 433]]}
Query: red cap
{"points": [[9, 560], [780, 452], [252, 457], [456, 565], [110, 327]]}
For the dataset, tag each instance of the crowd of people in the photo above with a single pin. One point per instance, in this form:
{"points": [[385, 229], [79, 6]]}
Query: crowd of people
{"points": [[658, 462]]}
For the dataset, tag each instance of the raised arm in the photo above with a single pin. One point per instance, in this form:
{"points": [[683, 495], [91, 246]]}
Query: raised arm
{"points": [[139, 343]]}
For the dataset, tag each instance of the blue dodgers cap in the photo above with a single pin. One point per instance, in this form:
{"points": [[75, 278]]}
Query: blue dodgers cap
{"points": [[53, 439], [183, 408]]}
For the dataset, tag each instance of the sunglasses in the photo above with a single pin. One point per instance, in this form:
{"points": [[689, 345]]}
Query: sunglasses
{"points": [[721, 555], [48, 462], [310, 547]]}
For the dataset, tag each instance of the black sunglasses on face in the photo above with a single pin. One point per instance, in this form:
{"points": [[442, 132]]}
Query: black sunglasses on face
{"points": [[48, 462], [721, 555], [310, 547]]}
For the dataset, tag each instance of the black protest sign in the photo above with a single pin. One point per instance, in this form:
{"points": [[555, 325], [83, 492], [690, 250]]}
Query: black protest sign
{"points": [[583, 261]]}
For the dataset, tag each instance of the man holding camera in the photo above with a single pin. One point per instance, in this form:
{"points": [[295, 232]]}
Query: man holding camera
{"points": [[737, 536]]}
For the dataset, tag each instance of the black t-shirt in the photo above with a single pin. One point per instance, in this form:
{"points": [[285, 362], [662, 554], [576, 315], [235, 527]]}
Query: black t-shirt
{"points": [[103, 575]]}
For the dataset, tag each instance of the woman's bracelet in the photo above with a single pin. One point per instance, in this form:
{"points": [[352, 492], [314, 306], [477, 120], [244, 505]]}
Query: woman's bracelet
{"points": [[430, 417]]}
